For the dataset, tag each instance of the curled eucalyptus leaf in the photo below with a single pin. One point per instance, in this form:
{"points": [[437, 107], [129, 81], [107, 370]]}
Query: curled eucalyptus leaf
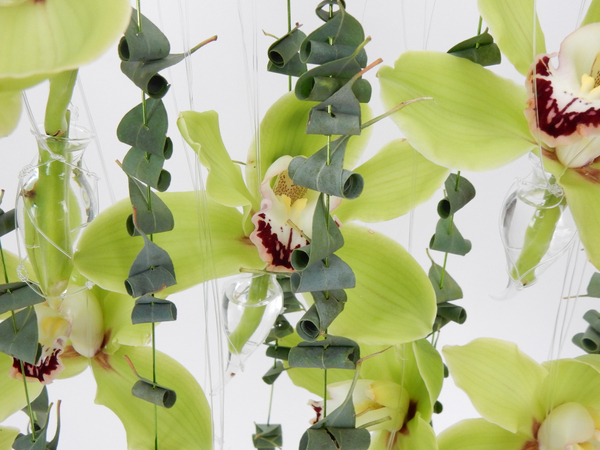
{"points": [[152, 214], [147, 168], [273, 373], [281, 328], [452, 312], [278, 352], [284, 49], [7, 222], [150, 136], [333, 352], [22, 344], [326, 307], [154, 393], [328, 14], [324, 276], [593, 318], [15, 296], [446, 290], [338, 115], [145, 45], [448, 239], [332, 179], [327, 238], [150, 309], [459, 192], [479, 49], [151, 271], [267, 436]]}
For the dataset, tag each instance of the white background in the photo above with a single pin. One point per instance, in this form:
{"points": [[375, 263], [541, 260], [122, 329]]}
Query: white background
{"points": [[229, 76]]}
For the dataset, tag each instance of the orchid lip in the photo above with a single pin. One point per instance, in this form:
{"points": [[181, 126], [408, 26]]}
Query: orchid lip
{"points": [[564, 102]]}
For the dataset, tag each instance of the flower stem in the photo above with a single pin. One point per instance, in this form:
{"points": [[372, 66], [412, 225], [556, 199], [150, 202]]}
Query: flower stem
{"points": [[252, 315]]}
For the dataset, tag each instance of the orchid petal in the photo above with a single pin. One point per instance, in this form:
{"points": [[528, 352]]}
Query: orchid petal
{"points": [[570, 380], [51, 37], [82, 310], [479, 434], [430, 367], [593, 13], [116, 309], [397, 179], [479, 126], [13, 394], [73, 363], [186, 425], [225, 183], [419, 436], [10, 112], [510, 23], [393, 301], [282, 132], [7, 437], [505, 386], [399, 364], [106, 251], [582, 191]]}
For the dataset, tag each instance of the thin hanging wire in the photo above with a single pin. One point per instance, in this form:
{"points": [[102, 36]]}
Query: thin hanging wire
{"points": [[213, 339]]}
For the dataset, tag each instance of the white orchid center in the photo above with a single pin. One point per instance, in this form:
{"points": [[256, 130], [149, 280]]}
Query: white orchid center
{"points": [[570, 426], [564, 103], [284, 221]]}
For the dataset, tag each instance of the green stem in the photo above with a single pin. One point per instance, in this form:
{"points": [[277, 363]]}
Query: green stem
{"points": [[47, 202], [324, 393], [251, 316], [289, 20], [537, 240], [443, 271]]}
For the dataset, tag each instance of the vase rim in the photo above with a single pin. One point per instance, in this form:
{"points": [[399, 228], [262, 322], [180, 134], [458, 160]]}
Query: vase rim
{"points": [[77, 134]]}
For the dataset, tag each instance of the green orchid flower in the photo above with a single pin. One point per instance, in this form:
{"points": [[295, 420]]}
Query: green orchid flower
{"points": [[393, 398], [484, 121], [92, 327], [43, 38], [525, 405], [393, 301]]}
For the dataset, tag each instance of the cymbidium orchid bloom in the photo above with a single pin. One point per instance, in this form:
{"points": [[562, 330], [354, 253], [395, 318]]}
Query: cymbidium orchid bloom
{"points": [[391, 303], [92, 327], [394, 395], [484, 121], [44, 38], [525, 405]]}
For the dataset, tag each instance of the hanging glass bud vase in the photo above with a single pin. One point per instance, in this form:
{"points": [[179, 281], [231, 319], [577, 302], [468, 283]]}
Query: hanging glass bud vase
{"points": [[250, 305], [536, 228], [56, 199]]}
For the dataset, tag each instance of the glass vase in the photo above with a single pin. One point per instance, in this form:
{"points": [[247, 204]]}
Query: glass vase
{"points": [[56, 198], [250, 307]]}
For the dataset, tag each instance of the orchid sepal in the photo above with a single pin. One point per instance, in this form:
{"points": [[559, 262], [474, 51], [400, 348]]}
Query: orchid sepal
{"points": [[480, 126]]}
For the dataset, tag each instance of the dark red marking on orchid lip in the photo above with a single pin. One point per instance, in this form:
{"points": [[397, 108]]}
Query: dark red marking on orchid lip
{"points": [[541, 68], [46, 371], [556, 121], [280, 253], [410, 414], [318, 411]]}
